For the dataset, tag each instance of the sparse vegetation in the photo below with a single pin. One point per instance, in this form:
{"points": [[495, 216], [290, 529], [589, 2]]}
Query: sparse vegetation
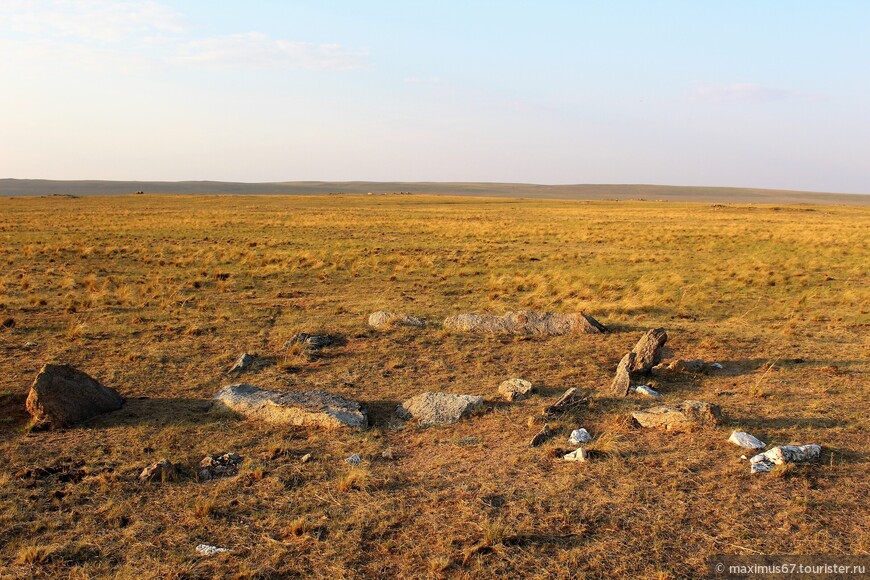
{"points": [[157, 297]]}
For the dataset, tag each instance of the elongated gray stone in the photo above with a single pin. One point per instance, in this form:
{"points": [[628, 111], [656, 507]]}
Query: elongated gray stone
{"points": [[683, 417], [525, 322], [745, 440], [622, 381], [303, 408], [784, 454], [649, 350], [384, 319]]}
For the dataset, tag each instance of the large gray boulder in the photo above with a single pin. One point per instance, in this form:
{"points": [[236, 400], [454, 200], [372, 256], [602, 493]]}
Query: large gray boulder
{"points": [[383, 320], [438, 408], [301, 408], [525, 322], [686, 416], [648, 350], [62, 396]]}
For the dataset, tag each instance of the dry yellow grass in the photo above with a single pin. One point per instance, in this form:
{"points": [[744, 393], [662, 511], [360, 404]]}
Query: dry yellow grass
{"points": [[156, 297]]}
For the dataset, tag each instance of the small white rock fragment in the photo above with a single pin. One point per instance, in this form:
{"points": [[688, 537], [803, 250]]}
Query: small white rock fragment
{"points": [[579, 436], [647, 391], [354, 459], [717, 366], [207, 550], [745, 440], [305, 458], [580, 455]]}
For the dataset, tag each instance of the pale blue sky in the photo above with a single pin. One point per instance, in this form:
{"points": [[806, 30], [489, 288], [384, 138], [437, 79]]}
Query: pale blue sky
{"points": [[772, 94]]}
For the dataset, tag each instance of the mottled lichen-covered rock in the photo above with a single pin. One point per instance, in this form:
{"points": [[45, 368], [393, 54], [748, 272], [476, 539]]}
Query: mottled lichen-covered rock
{"points": [[515, 389], [160, 472], [622, 381], [438, 408], [784, 454], [648, 350], [525, 322], [303, 408], [383, 320], [62, 396], [683, 417]]}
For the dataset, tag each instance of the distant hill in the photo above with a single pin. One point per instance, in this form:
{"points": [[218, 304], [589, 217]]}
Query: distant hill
{"points": [[35, 187]]}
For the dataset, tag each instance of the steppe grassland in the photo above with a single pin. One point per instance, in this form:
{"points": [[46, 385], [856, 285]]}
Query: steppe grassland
{"points": [[156, 295]]}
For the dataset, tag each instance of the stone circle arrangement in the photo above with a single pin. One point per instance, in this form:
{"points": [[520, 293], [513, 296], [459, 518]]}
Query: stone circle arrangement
{"points": [[62, 396]]}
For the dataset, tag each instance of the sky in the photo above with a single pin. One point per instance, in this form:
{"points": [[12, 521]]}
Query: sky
{"points": [[744, 94]]}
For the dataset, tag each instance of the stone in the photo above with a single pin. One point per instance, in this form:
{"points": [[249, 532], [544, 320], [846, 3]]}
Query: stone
{"points": [[160, 472], [305, 458], [684, 417], [354, 459], [579, 436], [217, 466], [687, 366], [207, 550], [311, 341], [570, 399], [647, 391], [243, 363], [516, 389], [384, 320], [580, 455], [745, 440], [300, 408], [784, 454], [62, 396], [542, 436], [432, 409], [717, 366], [649, 350], [525, 322], [622, 381]]}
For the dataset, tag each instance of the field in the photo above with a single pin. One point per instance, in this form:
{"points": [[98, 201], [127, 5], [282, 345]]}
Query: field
{"points": [[156, 296]]}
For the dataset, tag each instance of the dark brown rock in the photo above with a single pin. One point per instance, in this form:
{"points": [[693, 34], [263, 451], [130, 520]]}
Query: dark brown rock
{"points": [[62, 396], [648, 350], [542, 436], [569, 399], [622, 381]]}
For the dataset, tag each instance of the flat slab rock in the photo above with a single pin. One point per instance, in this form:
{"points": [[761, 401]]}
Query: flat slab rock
{"points": [[301, 408], [432, 409], [383, 319], [745, 440], [62, 396], [683, 417], [525, 322]]}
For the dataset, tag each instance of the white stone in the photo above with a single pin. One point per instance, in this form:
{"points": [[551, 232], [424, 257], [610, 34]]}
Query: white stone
{"points": [[579, 436], [207, 550], [647, 391], [580, 455], [717, 366], [354, 459], [784, 454], [745, 440]]}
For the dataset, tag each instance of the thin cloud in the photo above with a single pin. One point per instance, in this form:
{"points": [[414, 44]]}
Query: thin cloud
{"points": [[255, 49], [421, 80], [748, 93], [103, 21]]}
